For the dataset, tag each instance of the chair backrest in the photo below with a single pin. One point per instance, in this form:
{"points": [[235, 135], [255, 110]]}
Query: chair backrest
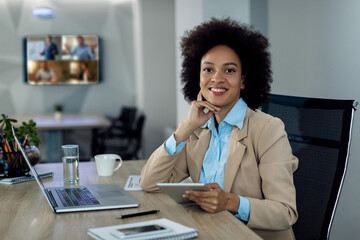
{"points": [[138, 133], [319, 131], [140, 125], [127, 114], [125, 122]]}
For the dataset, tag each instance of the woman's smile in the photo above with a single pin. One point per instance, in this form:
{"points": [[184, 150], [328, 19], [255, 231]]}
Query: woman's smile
{"points": [[218, 91]]}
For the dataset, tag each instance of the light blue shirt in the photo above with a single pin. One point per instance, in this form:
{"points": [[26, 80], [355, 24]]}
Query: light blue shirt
{"points": [[83, 52], [213, 168]]}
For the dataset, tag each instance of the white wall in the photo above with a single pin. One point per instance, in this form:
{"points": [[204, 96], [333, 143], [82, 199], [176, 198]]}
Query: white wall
{"points": [[236, 9], [156, 69], [259, 15], [315, 51]]}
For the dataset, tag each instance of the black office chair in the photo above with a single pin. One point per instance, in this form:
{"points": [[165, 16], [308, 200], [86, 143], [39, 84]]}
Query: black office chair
{"points": [[125, 121], [121, 125], [319, 131], [134, 141], [125, 142]]}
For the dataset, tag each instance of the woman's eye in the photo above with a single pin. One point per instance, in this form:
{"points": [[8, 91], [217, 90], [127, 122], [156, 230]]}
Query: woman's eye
{"points": [[207, 70], [229, 70]]}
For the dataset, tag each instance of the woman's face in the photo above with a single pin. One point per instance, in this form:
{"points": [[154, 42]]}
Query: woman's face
{"points": [[220, 77]]}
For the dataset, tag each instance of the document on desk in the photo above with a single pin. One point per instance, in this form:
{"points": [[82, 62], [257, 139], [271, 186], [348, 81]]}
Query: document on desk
{"points": [[132, 183]]}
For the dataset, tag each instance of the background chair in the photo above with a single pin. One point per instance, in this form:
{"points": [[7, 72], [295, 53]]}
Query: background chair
{"points": [[119, 125], [123, 138], [319, 131], [125, 121]]}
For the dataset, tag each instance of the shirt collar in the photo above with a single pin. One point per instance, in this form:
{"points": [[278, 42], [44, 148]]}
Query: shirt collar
{"points": [[234, 117]]}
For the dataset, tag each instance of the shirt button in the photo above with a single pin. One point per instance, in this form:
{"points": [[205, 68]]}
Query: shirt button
{"points": [[244, 216]]}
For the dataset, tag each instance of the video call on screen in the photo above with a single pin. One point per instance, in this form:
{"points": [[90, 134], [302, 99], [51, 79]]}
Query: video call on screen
{"points": [[62, 59]]}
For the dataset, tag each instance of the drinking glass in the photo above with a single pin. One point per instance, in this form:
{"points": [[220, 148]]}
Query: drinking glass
{"points": [[70, 159]]}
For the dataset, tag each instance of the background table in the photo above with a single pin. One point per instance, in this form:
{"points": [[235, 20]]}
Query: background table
{"points": [[25, 213], [54, 129]]}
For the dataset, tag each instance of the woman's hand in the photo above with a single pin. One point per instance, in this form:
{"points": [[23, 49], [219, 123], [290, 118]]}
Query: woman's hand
{"points": [[215, 200], [196, 117]]}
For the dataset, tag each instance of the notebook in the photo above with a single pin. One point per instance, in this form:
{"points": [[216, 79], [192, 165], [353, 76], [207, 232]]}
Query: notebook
{"points": [[165, 229], [82, 198], [27, 178]]}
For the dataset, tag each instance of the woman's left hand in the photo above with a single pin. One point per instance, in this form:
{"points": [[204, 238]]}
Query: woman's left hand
{"points": [[215, 200]]}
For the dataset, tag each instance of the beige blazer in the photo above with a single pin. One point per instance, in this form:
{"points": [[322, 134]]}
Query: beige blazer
{"points": [[259, 166]]}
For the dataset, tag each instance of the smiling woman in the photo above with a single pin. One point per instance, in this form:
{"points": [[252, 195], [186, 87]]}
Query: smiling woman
{"points": [[221, 79], [242, 154], [250, 47]]}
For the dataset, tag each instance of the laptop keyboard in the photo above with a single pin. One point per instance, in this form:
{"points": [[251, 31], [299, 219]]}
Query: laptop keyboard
{"points": [[76, 197]]}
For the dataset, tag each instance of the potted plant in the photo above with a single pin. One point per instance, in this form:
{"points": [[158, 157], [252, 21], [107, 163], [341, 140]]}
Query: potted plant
{"points": [[10, 155], [58, 108]]}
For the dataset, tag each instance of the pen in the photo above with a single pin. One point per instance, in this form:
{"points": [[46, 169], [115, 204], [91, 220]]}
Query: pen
{"points": [[137, 214]]}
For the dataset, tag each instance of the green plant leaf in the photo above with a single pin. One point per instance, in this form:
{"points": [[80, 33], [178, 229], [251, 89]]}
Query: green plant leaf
{"points": [[25, 130]]}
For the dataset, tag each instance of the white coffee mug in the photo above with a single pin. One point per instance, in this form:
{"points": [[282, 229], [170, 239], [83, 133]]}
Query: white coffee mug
{"points": [[105, 164]]}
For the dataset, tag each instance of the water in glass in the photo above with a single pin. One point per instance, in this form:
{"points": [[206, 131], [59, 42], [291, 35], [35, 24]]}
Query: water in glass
{"points": [[71, 169]]}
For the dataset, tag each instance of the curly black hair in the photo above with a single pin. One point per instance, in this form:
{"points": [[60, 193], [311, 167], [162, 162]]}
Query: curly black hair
{"points": [[250, 45]]}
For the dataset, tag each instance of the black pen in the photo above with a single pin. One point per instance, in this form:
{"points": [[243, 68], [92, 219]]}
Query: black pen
{"points": [[137, 214]]}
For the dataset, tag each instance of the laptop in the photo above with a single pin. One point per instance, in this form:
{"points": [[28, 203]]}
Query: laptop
{"points": [[82, 198]]}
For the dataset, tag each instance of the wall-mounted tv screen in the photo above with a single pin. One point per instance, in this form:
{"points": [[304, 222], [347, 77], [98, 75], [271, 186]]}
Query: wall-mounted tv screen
{"points": [[62, 59]]}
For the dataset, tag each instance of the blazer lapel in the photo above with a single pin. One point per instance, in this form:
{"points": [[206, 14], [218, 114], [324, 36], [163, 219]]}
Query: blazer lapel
{"points": [[196, 150], [236, 152]]}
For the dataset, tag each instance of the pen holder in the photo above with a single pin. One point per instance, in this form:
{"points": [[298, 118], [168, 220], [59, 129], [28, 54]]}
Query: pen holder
{"points": [[12, 164]]}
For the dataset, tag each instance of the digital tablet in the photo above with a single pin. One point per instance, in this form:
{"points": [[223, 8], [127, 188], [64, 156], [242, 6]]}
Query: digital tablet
{"points": [[176, 190]]}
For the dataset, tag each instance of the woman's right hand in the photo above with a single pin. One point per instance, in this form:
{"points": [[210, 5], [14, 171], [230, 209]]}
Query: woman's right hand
{"points": [[196, 117]]}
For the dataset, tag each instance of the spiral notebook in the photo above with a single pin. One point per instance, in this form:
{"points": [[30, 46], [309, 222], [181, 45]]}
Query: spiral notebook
{"points": [[170, 230], [27, 178]]}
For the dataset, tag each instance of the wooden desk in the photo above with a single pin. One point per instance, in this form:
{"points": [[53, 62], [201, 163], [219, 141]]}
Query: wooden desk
{"points": [[54, 129], [25, 213]]}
